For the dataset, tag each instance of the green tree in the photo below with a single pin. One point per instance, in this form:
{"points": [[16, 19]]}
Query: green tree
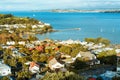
{"points": [[5, 78], [66, 49], [80, 64], [62, 76]]}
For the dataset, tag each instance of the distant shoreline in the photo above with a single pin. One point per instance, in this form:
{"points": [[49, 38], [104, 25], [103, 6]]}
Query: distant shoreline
{"points": [[97, 11], [80, 11]]}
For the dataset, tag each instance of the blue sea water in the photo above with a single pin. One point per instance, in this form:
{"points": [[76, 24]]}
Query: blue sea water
{"points": [[93, 25]]}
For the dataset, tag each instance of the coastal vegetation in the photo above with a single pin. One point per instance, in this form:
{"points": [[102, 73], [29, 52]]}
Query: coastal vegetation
{"points": [[98, 40], [10, 19]]}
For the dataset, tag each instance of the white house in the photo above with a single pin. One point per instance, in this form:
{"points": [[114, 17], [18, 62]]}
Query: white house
{"points": [[4, 70], [107, 49], [117, 50], [34, 68], [87, 55], [54, 64], [78, 55], [10, 42], [21, 42], [30, 45], [36, 42], [34, 26], [47, 24], [83, 43], [40, 26]]}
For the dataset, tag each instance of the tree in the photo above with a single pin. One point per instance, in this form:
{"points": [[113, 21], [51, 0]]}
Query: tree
{"points": [[80, 64], [5, 78], [108, 57], [8, 15], [98, 40], [62, 76], [23, 75], [116, 78], [65, 49]]}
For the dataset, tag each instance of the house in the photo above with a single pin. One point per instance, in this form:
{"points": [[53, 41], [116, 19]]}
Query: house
{"points": [[83, 43], [18, 54], [70, 41], [29, 45], [10, 42], [78, 55], [93, 62], [21, 42], [39, 48], [107, 49], [118, 69], [34, 68], [65, 55], [96, 46], [67, 59], [97, 51], [54, 64], [90, 44], [34, 26], [117, 51], [4, 69], [36, 42], [46, 24], [87, 55]]}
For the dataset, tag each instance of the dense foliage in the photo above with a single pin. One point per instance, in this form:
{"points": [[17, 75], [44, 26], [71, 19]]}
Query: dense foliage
{"points": [[80, 64], [72, 49], [108, 57], [62, 76], [98, 40]]}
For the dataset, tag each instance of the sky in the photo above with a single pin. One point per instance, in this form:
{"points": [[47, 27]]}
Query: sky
{"points": [[13, 5]]}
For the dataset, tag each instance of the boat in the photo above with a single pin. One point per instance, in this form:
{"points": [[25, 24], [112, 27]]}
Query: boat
{"points": [[33, 14], [101, 30], [113, 30]]}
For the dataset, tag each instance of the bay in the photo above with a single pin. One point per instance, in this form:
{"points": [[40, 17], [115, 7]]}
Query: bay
{"points": [[93, 25]]}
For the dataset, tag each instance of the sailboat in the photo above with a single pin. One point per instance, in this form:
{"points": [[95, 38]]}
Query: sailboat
{"points": [[33, 15], [113, 30], [101, 30]]}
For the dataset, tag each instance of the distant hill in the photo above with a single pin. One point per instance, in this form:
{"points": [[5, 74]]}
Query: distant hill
{"points": [[77, 10]]}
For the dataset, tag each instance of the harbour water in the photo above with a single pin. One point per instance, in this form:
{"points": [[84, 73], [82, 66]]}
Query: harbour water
{"points": [[78, 26]]}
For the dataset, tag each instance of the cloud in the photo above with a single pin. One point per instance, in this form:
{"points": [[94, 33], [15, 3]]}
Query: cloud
{"points": [[53, 4]]}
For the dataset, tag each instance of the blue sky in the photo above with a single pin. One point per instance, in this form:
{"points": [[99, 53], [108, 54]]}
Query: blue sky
{"points": [[56, 4]]}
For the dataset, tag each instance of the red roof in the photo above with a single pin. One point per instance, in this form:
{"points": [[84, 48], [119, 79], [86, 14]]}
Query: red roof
{"points": [[31, 49], [92, 79], [39, 48], [32, 64], [50, 58], [56, 48], [118, 55]]}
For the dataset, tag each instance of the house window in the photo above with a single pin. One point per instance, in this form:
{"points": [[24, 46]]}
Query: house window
{"points": [[3, 72]]}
